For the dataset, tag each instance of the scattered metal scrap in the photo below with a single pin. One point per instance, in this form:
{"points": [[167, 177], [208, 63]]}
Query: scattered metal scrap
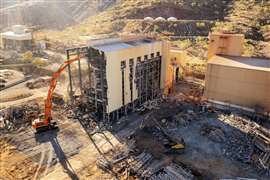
{"points": [[250, 141], [172, 172], [262, 143], [144, 166], [16, 117], [251, 147], [150, 105]]}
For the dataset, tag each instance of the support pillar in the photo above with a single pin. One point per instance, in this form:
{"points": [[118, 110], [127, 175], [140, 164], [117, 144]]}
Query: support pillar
{"points": [[70, 79], [80, 72]]}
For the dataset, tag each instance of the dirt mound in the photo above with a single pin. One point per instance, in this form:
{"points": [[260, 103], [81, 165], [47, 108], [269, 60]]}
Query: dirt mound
{"points": [[9, 75], [39, 82], [15, 96]]}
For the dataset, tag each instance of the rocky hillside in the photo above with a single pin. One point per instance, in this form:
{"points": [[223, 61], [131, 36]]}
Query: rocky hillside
{"points": [[127, 16], [195, 18], [252, 18], [47, 14]]}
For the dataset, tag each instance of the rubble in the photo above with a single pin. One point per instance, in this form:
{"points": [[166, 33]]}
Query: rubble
{"points": [[150, 105], [234, 133], [145, 153], [183, 119], [142, 165], [252, 146], [171, 172], [239, 147], [262, 145], [14, 118], [214, 133]]}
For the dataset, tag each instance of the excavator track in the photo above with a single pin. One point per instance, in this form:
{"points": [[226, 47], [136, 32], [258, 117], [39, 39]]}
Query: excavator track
{"points": [[51, 126]]}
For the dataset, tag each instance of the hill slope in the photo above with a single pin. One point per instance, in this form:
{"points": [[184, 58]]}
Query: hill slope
{"points": [[251, 18], [196, 18], [56, 14], [127, 16]]}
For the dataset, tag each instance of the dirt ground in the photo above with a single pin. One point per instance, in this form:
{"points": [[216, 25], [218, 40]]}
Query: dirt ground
{"points": [[58, 154], [26, 156], [218, 145], [212, 140]]}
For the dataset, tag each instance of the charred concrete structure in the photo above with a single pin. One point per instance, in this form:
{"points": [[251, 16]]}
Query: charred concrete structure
{"points": [[125, 73]]}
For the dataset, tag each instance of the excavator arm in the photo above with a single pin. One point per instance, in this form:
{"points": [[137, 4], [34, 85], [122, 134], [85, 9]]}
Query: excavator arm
{"points": [[44, 123]]}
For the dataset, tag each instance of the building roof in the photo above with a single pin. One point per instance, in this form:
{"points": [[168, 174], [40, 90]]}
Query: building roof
{"points": [[14, 36], [119, 45], [241, 62]]}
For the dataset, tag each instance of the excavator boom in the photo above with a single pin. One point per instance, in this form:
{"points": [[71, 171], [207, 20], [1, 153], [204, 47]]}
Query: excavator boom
{"points": [[44, 122]]}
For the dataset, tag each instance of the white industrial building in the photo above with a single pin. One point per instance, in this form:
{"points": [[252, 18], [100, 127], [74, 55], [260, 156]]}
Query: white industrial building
{"points": [[17, 39], [126, 73]]}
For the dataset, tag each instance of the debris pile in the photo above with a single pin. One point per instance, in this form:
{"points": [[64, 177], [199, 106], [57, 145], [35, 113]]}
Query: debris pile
{"points": [[142, 165], [249, 143], [16, 117], [214, 133], [150, 105], [184, 118], [262, 149], [171, 172], [239, 147], [191, 91], [140, 160], [82, 113]]}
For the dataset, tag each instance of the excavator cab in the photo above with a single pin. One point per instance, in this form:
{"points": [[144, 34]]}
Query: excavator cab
{"points": [[41, 125]]}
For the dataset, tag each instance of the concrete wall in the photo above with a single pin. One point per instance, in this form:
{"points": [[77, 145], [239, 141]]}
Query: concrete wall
{"points": [[165, 64], [114, 74], [225, 44], [238, 86]]}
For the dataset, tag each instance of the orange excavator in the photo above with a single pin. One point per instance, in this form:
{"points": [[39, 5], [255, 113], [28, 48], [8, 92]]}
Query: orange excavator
{"points": [[44, 122]]}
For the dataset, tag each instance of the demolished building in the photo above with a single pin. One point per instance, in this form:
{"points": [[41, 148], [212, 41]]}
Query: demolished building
{"points": [[126, 72], [236, 81]]}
